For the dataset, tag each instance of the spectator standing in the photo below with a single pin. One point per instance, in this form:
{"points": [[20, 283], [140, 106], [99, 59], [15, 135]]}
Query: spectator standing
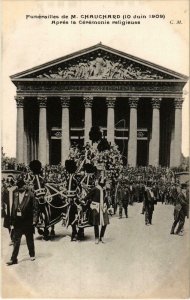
{"points": [[123, 199], [148, 205], [24, 214]]}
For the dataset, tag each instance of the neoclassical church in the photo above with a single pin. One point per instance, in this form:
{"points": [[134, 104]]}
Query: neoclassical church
{"points": [[136, 103]]}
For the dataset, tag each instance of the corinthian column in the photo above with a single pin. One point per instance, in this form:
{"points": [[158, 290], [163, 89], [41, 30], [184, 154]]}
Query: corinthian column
{"points": [[110, 119], [25, 148], [88, 100], [20, 129], [172, 146], [177, 132], [47, 152], [42, 149], [154, 146], [132, 144], [65, 140]]}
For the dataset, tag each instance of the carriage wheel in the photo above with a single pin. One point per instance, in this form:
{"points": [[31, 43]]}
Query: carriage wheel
{"points": [[40, 231]]}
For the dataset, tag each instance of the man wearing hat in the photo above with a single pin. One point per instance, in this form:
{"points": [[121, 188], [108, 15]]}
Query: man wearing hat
{"points": [[180, 212], [148, 205], [24, 216], [123, 195], [98, 209]]}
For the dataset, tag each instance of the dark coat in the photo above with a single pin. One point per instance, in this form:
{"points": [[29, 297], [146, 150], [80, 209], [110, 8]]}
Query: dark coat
{"points": [[148, 202], [6, 208], [92, 200], [155, 190], [181, 207], [29, 210], [73, 191], [123, 195]]}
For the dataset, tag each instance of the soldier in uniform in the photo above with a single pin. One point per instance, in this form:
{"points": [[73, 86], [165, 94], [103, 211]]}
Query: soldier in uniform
{"points": [[99, 205], [86, 184], [73, 190], [88, 181], [39, 189]]}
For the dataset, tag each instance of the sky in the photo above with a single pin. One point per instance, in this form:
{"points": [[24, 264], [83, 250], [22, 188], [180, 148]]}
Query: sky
{"points": [[28, 42]]}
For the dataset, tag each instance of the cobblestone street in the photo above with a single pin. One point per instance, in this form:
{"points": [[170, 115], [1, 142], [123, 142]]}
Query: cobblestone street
{"points": [[137, 261]]}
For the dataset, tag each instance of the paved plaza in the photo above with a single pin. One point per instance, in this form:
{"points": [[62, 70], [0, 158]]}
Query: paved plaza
{"points": [[137, 261]]}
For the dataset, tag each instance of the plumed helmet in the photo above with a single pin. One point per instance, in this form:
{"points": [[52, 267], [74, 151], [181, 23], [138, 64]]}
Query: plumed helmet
{"points": [[103, 145], [70, 166], [89, 168], [35, 166]]}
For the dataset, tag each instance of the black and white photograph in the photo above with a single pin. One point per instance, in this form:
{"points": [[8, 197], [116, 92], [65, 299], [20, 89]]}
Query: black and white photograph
{"points": [[95, 149]]}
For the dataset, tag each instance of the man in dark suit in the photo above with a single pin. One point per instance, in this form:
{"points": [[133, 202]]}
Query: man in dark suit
{"points": [[123, 196], [24, 216], [148, 205], [6, 200], [180, 212]]}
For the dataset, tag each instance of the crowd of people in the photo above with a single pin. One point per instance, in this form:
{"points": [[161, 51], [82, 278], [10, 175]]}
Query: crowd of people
{"points": [[92, 184], [9, 163]]}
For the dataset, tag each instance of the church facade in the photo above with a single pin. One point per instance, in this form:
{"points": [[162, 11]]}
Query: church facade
{"points": [[137, 105]]}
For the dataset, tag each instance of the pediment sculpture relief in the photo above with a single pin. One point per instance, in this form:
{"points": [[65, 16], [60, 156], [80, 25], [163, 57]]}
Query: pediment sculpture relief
{"points": [[100, 67]]}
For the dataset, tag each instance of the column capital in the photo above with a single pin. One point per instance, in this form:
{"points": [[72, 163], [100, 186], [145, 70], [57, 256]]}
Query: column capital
{"points": [[42, 101], [178, 102], [19, 101], [65, 101], [110, 101], [133, 102], [88, 100], [156, 102]]}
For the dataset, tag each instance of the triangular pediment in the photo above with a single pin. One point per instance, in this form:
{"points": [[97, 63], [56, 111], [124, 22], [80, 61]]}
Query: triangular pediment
{"points": [[99, 63]]}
